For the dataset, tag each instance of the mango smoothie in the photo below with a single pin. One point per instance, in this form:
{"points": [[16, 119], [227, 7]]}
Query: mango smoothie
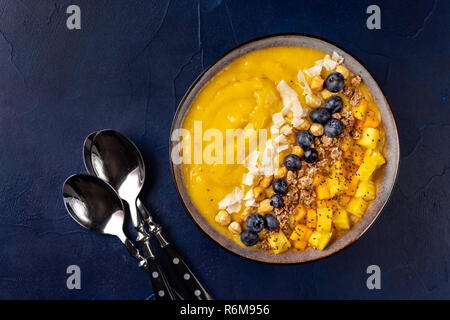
{"points": [[284, 89]]}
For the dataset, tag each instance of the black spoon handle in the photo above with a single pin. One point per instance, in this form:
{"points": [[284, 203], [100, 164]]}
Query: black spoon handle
{"points": [[160, 285], [189, 281]]}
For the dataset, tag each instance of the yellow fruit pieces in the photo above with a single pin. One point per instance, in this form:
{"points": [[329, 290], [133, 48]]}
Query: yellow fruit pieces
{"points": [[369, 138], [357, 206], [278, 242], [319, 240], [324, 219], [341, 220], [366, 190]]}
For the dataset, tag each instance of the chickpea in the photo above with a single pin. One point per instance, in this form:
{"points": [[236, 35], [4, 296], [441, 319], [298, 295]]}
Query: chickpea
{"points": [[269, 192], [291, 138], [304, 125], [223, 218], [247, 211], [258, 193], [316, 129], [235, 228], [297, 150], [316, 83], [281, 172], [313, 100], [343, 70], [266, 181], [264, 206], [326, 94]]}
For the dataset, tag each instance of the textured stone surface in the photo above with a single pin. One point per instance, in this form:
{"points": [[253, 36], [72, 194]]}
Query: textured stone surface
{"points": [[128, 68]]}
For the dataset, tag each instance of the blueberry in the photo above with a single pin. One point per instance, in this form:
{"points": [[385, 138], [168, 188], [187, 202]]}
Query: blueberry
{"points": [[280, 186], [292, 162], [319, 115], [311, 155], [305, 139], [255, 222], [333, 128], [334, 82], [249, 238], [334, 104], [276, 201], [271, 222]]}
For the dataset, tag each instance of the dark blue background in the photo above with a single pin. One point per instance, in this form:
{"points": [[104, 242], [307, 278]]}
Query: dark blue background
{"points": [[127, 69]]}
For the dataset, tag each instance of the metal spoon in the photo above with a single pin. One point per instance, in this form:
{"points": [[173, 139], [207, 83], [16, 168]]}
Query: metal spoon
{"points": [[96, 206], [87, 145], [117, 160]]}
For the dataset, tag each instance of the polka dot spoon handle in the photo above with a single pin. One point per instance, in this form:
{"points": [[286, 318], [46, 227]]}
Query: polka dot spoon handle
{"points": [[190, 283], [160, 285]]}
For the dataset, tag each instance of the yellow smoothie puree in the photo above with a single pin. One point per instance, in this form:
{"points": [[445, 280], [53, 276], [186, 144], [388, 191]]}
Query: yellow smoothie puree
{"points": [[242, 93]]}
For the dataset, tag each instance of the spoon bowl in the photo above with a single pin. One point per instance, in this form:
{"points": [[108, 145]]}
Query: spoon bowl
{"points": [[116, 160], [94, 205]]}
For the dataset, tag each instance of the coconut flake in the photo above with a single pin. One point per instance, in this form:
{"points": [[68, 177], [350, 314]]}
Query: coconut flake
{"points": [[232, 201], [247, 179], [336, 57], [278, 119], [286, 130], [329, 63], [314, 71], [289, 98], [303, 83]]}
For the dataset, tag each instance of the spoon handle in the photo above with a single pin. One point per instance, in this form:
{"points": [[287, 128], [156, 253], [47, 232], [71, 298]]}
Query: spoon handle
{"points": [[189, 281], [160, 285]]}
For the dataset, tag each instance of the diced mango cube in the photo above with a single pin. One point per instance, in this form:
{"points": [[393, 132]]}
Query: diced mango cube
{"points": [[367, 167], [301, 244], [346, 144], [369, 138], [366, 190], [371, 120], [301, 232], [344, 200], [359, 111], [336, 180], [380, 159], [341, 220], [318, 179], [322, 191], [278, 242], [352, 185], [324, 219], [357, 206], [300, 212], [311, 218], [319, 240]]}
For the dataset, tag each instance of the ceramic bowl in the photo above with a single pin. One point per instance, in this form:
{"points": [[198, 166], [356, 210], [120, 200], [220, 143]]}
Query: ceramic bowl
{"points": [[385, 178]]}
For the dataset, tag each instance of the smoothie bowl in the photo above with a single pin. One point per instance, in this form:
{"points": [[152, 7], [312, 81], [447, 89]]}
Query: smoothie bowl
{"points": [[285, 150]]}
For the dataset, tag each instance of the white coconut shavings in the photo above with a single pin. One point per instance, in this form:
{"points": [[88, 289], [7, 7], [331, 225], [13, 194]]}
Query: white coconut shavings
{"points": [[336, 57], [303, 83], [289, 98], [249, 199], [286, 130], [278, 119], [232, 201], [329, 63], [314, 71], [247, 179]]}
